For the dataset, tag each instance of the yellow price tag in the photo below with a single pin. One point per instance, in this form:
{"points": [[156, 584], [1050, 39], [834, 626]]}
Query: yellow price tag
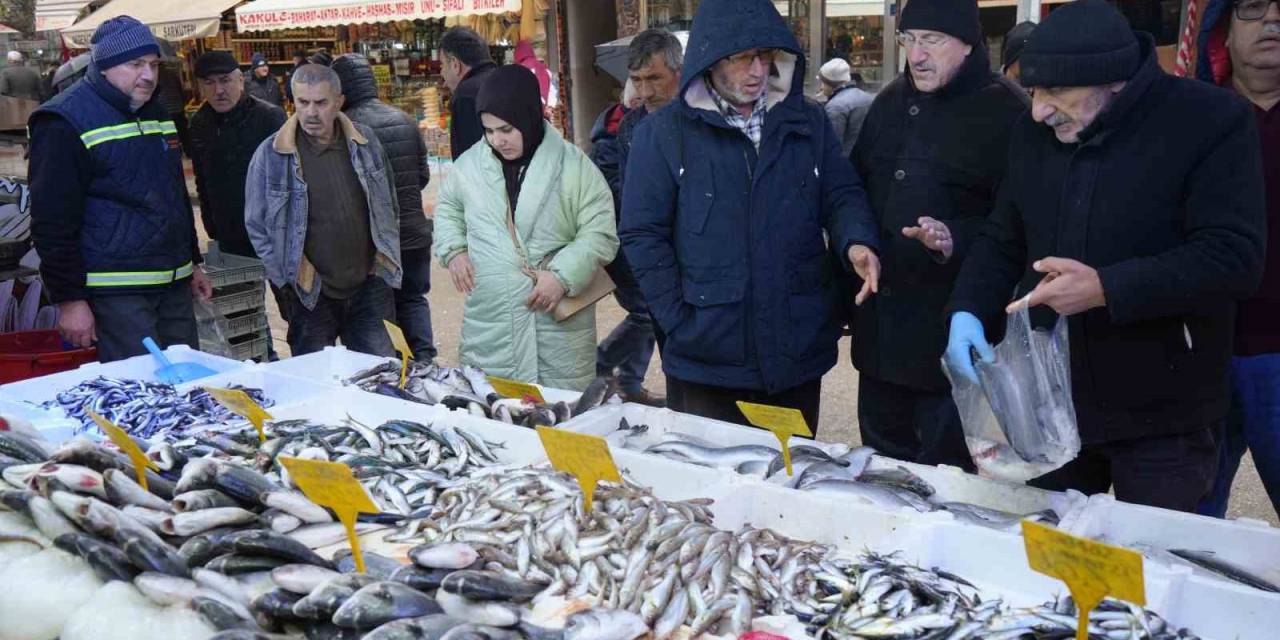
{"points": [[401, 345], [239, 402], [782, 421], [587, 458], [1092, 570], [330, 484], [512, 389], [130, 448]]}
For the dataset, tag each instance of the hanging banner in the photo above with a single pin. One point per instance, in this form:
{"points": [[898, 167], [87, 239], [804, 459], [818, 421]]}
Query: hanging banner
{"points": [[264, 15]]}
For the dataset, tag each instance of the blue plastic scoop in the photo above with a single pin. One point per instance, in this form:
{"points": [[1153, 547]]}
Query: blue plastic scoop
{"points": [[171, 373]]}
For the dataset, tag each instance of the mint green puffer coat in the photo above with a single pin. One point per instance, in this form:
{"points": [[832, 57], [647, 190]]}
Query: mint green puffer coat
{"points": [[565, 208]]}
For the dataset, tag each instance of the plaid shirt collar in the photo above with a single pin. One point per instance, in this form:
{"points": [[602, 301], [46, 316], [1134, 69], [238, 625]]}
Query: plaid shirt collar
{"points": [[751, 126]]}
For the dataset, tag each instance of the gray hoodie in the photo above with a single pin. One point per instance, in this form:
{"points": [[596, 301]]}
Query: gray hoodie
{"points": [[847, 108]]}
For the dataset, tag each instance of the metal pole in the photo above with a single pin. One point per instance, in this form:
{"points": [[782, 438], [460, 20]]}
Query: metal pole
{"points": [[817, 42], [889, 70], [1028, 10]]}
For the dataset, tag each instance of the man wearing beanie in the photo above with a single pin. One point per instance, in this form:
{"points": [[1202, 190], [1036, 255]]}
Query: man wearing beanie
{"points": [[1143, 232], [932, 153], [738, 210], [847, 104], [1240, 51], [261, 84], [110, 214]]}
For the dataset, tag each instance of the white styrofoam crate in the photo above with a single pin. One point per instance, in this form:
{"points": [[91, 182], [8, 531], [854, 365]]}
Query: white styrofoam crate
{"points": [[53, 425], [330, 365], [281, 389], [602, 421], [954, 485], [143, 367], [1249, 543], [1217, 610]]}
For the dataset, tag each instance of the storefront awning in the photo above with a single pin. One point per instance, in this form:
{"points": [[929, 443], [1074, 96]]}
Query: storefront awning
{"points": [[268, 15], [52, 15], [168, 19], [7, 30]]}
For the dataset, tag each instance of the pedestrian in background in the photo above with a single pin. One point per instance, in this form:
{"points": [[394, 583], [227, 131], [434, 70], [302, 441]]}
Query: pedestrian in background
{"points": [[261, 84], [932, 153], [522, 222], [1014, 43], [1143, 231], [847, 104], [407, 153], [17, 80], [465, 62], [110, 214], [1240, 51], [654, 62], [737, 197], [322, 214]]}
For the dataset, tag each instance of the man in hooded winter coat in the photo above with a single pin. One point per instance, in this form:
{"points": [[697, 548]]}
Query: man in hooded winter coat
{"points": [[1240, 51], [737, 211], [1143, 232], [407, 152]]}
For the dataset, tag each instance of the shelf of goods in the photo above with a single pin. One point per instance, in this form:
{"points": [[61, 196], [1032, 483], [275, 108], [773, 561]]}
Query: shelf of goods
{"points": [[445, 475]]}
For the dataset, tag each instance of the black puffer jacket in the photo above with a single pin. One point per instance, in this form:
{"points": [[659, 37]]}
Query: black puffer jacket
{"points": [[221, 147], [399, 137], [941, 155]]}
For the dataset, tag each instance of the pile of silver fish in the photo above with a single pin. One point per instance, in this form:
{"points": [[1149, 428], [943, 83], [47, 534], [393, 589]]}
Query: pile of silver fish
{"points": [[818, 470], [468, 388], [879, 596], [149, 410], [401, 463]]}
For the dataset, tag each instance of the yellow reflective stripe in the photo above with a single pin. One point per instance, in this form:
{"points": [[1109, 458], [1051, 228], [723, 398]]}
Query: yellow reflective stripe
{"points": [[137, 278], [127, 130]]}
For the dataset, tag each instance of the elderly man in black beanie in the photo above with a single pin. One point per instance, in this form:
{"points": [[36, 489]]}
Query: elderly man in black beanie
{"points": [[1139, 229], [931, 153]]}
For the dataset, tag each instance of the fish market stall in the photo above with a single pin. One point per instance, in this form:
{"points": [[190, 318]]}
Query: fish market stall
{"points": [[478, 537]]}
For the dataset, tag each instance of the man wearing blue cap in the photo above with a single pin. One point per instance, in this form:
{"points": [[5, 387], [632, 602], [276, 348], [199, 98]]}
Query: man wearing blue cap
{"points": [[109, 208], [261, 84]]}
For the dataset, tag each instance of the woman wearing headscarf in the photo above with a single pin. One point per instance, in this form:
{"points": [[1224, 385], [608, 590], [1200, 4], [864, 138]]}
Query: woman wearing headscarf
{"points": [[564, 231]]}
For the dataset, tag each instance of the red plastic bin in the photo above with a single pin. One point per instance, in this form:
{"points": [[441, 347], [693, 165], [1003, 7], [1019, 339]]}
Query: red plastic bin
{"points": [[30, 354]]}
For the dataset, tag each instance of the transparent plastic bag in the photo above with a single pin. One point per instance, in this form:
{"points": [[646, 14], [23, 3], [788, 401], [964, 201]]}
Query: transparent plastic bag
{"points": [[212, 327], [1019, 421]]}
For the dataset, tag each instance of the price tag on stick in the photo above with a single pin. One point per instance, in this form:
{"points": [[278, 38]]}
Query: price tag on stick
{"points": [[782, 421], [401, 345], [239, 402], [130, 448], [1092, 570], [330, 484], [512, 389], [585, 457]]}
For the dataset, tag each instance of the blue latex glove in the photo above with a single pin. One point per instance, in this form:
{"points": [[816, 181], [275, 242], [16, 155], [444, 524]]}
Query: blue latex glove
{"points": [[967, 333]]}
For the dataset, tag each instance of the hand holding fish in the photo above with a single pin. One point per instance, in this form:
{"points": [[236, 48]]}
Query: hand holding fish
{"points": [[867, 265], [463, 273], [1069, 287], [933, 234], [76, 324], [547, 292]]}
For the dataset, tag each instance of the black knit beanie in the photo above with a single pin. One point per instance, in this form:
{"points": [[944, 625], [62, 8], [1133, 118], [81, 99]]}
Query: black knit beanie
{"points": [[956, 18], [1086, 43]]}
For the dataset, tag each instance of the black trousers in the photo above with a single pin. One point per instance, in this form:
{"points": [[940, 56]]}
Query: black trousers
{"points": [[720, 403], [911, 424], [123, 320], [1170, 472]]}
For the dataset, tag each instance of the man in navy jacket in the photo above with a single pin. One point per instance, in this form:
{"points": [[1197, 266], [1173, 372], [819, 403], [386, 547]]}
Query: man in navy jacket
{"points": [[738, 209]]}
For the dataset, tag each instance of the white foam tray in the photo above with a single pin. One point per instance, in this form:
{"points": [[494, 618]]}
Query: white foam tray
{"points": [[45, 388], [602, 421], [333, 365], [281, 389]]}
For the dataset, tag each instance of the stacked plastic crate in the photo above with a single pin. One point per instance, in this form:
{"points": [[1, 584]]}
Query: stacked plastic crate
{"points": [[239, 297]]}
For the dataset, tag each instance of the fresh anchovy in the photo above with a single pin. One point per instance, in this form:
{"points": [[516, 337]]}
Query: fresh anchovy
{"points": [[150, 410]]}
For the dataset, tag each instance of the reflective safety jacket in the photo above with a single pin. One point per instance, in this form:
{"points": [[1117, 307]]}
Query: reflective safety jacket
{"points": [[110, 211]]}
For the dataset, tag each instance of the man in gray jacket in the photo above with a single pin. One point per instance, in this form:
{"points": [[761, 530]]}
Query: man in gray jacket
{"points": [[847, 104], [321, 211], [19, 80]]}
